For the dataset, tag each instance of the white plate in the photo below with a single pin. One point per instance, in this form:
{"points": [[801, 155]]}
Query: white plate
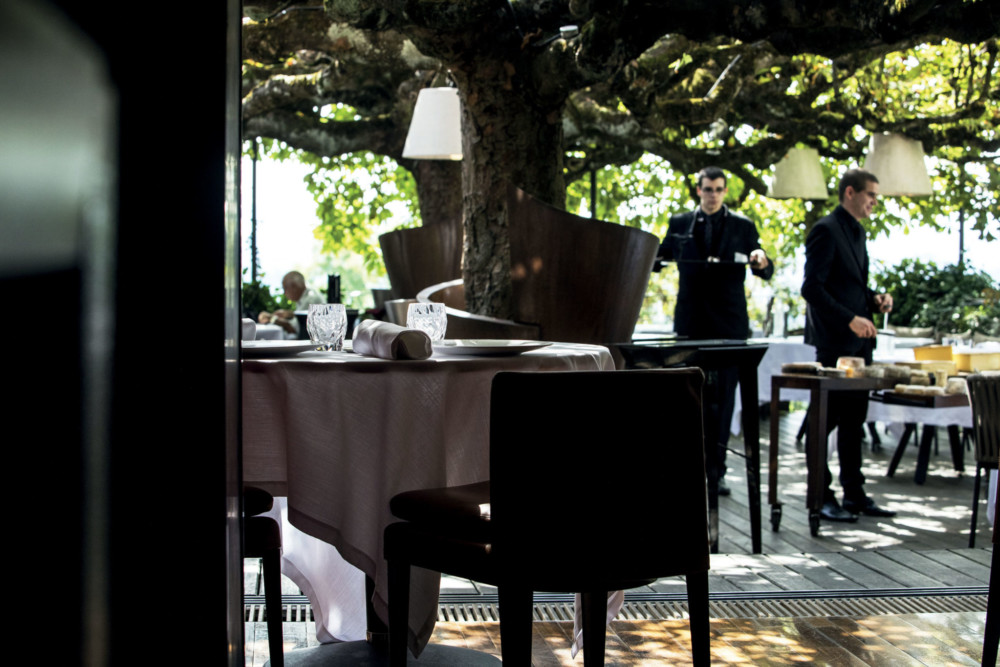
{"points": [[487, 347], [275, 348]]}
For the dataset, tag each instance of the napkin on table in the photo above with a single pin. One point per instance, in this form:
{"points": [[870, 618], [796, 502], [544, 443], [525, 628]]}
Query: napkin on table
{"points": [[249, 329], [391, 341]]}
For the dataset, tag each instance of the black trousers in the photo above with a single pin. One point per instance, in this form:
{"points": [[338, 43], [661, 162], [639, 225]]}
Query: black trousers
{"points": [[847, 411], [718, 400]]}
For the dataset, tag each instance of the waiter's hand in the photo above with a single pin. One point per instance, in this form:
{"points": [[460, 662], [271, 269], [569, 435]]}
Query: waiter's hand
{"points": [[884, 302], [863, 327], [758, 259]]}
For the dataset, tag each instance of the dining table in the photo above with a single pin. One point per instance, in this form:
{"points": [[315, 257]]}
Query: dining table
{"points": [[335, 435]]}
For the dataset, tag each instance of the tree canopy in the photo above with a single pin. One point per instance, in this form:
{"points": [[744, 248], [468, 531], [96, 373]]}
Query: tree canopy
{"points": [[735, 83]]}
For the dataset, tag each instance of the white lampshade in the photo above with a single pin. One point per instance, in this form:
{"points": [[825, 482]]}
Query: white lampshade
{"points": [[436, 128], [798, 175], [898, 163]]}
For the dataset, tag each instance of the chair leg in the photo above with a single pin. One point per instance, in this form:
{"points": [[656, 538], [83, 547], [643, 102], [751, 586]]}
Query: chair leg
{"points": [[697, 594], [898, 454], [399, 611], [595, 607], [515, 624], [803, 427], [975, 506], [991, 638], [272, 605]]}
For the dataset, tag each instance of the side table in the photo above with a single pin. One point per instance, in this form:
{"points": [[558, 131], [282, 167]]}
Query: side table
{"points": [[816, 441]]}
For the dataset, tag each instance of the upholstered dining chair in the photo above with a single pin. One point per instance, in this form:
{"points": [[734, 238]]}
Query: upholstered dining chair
{"points": [[597, 483], [984, 395], [262, 539]]}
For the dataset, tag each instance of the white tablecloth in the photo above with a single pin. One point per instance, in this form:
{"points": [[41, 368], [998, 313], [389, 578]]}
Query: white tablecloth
{"points": [[893, 413], [340, 434], [269, 332], [779, 351]]}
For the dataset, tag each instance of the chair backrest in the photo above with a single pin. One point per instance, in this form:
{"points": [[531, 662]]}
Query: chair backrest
{"points": [[984, 395], [598, 476]]}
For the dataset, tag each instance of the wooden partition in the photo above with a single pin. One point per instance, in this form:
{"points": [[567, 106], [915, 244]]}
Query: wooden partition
{"points": [[581, 280], [422, 256], [575, 279]]}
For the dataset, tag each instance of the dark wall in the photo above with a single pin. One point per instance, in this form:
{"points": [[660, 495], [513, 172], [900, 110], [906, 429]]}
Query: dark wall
{"points": [[126, 464]]}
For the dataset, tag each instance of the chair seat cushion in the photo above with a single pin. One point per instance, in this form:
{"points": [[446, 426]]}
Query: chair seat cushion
{"points": [[463, 509], [256, 501]]}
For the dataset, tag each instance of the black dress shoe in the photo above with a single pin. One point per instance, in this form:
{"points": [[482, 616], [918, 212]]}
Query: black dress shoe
{"points": [[724, 489], [868, 508], [832, 511]]}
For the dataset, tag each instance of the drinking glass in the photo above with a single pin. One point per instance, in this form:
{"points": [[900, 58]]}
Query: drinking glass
{"points": [[431, 318], [327, 324]]}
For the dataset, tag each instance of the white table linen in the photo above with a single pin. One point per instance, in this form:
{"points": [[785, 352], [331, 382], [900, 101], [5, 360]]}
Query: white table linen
{"points": [[269, 332], [340, 434], [888, 413], [779, 351]]}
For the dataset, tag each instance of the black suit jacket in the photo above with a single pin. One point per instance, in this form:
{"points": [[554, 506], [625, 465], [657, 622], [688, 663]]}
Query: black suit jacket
{"points": [[711, 301], [836, 287]]}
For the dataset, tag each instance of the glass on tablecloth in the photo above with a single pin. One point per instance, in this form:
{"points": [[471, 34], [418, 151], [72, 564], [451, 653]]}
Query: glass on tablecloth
{"points": [[431, 318], [327, 324]]}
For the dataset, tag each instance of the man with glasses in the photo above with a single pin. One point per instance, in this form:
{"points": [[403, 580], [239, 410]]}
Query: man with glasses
{"points": [[712, 247], [839, 323]]}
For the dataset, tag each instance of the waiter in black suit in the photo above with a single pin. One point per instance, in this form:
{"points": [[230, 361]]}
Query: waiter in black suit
{"points": [[839, 323], [712, 247]]}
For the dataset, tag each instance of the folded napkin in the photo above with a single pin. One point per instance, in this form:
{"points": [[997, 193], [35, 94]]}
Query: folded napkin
{"points": [[249, 329], [390, 341]]}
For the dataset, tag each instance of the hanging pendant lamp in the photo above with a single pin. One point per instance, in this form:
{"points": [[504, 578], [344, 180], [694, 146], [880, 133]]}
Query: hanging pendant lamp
{"points": [[898, 162], [798, 175], [436, 128]]}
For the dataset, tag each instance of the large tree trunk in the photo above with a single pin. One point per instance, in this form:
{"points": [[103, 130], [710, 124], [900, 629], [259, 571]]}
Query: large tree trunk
{"points": [[507, 137], [439, 191]]}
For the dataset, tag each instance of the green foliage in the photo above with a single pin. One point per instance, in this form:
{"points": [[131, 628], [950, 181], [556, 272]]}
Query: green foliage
{"points": [[359, 197], [950, 299]]}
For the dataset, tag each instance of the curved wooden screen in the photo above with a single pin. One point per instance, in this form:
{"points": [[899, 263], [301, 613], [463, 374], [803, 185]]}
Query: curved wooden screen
{"points": [[581, 280], [421, 256], [462, 324]]}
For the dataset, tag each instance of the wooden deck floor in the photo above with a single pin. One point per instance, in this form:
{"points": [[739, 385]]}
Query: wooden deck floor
{"points": [[924, 547]]}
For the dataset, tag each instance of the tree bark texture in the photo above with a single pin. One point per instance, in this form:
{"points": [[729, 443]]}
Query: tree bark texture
{"points": [[507, 137]]}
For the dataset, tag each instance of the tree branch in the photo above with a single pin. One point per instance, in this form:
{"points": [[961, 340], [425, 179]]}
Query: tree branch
{"points": [[327, 138]]}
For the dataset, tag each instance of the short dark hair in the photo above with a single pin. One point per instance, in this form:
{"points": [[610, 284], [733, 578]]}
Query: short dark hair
{"points": [[857, 179], [711, 173]]}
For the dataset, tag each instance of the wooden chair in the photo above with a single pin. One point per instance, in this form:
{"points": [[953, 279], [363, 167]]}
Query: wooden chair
{"points": [[984, 395], [262, 539], [597, 484]]}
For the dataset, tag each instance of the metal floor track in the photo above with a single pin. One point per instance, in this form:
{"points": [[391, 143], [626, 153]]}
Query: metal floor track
{"points": [[784, 604], [475, 608]]}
